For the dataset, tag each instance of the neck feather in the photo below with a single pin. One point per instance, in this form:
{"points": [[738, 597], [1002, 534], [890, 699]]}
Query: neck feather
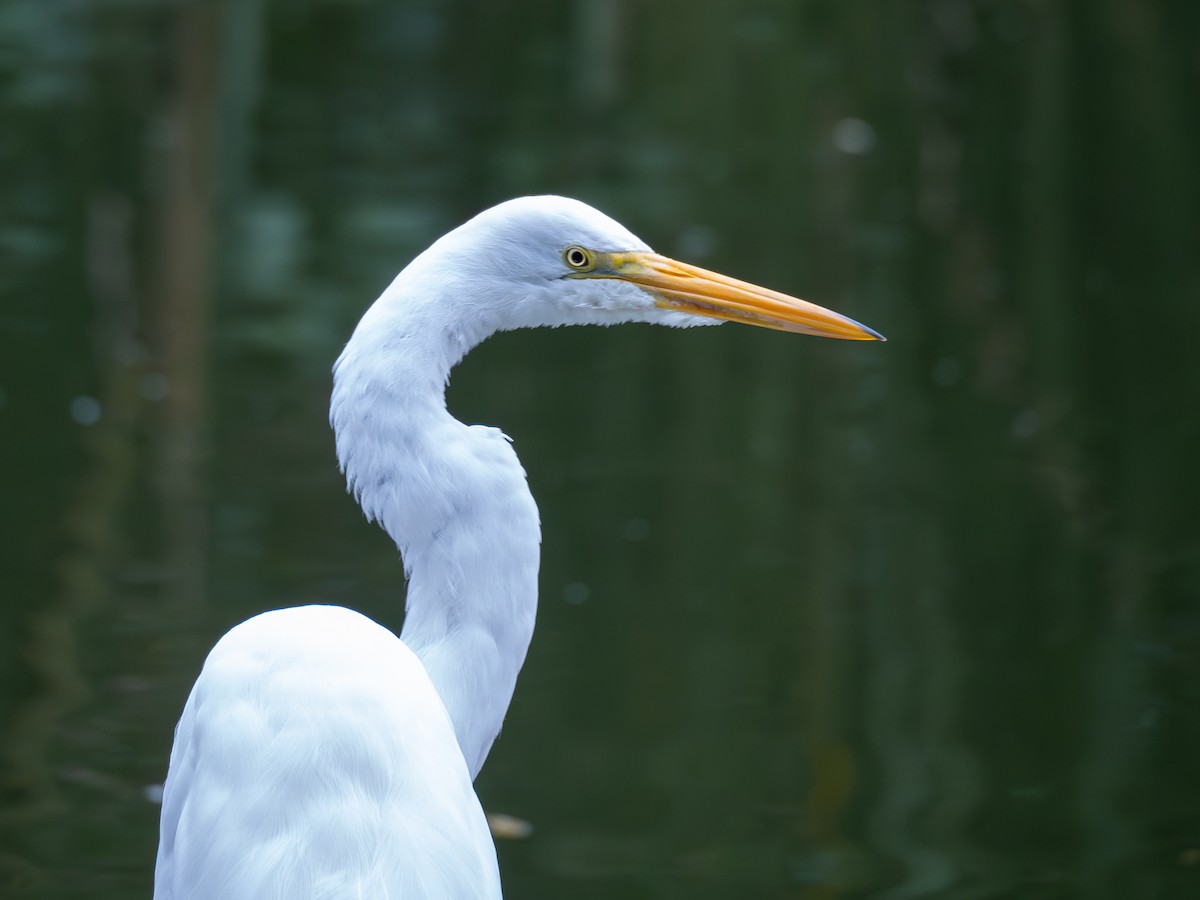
{"points": [[455, 500]]}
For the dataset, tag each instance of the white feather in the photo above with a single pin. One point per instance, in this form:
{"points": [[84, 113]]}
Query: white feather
{"points": [[318, 756], [309, 758]]}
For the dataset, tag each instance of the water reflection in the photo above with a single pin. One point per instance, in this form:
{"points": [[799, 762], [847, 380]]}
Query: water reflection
{"points": [[919, 622]]}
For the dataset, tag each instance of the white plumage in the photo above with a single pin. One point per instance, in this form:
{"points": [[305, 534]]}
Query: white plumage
{"points": [[320, 756], [313, 746]]}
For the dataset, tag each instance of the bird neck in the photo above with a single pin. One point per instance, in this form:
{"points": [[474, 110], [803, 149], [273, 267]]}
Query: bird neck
{"points": [[455, 500]]}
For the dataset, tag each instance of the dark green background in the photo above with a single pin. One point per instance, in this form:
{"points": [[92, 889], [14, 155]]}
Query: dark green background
{"points": [[915, 619]]}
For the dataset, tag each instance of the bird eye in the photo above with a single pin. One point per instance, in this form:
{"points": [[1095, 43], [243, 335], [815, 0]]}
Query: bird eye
{"points": [[578, 258]]}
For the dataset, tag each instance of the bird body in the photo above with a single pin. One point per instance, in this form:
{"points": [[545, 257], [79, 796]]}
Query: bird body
{"points": [[312, 746], [319, 755]]}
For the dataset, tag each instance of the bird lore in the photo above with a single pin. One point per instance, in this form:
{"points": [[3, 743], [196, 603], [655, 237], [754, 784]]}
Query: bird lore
{"points": [[318, 754]]}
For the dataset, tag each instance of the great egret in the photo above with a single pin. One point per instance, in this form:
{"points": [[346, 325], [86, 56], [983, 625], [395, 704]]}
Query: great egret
{"points": [[320, 756]]}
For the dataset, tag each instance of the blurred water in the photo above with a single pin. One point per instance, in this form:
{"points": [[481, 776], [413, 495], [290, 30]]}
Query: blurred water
{"points": [[907, 620]]}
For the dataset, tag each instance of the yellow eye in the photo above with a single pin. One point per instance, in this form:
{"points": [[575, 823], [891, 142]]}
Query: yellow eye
{"points": [[578, 259]]}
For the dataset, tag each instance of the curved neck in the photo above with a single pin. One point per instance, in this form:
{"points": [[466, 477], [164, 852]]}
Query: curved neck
{"points": [[455, 500]]}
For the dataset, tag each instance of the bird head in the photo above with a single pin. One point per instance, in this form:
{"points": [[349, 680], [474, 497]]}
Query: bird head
{"points": [[547, 261]]}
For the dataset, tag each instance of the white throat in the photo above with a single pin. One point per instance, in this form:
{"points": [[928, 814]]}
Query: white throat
{"points": [[453, 497]]}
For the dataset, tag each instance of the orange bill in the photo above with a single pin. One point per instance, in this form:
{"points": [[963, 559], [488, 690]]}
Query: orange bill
{"points": [[691, 289]]}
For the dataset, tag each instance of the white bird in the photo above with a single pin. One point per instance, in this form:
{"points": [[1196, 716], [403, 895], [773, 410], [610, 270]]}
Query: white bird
{"points": [[320, 756]]}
